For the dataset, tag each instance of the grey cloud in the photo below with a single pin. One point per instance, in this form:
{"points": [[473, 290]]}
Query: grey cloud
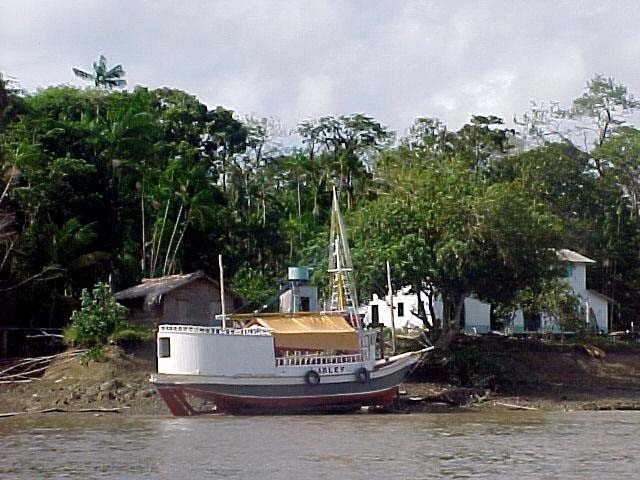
{"points": [[392, 60]]}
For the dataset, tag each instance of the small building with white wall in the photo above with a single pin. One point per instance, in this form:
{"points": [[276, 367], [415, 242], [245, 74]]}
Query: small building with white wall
{"points": [[405, 308], [476, 315], [593, 305]]}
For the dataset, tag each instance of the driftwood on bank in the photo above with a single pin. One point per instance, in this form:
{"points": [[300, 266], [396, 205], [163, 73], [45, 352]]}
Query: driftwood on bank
{"points": [[513, 406], [44, 334], [62, 410], [459, 396], [30, 368]]}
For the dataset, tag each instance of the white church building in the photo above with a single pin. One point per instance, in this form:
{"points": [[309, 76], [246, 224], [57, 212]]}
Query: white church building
{"points": [[476, 315]]}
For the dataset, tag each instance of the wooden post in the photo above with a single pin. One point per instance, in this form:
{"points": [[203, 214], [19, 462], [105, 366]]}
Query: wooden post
{"points": [[222, 304], [5, 343], [393, 322]]}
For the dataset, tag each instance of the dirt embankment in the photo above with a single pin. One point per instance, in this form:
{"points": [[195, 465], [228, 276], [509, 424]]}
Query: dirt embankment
{"points": [[119, 382], [486, 370], [537, 373]]}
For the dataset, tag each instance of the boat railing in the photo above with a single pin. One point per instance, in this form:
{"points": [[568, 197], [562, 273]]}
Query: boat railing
{"points": [[253, 331], [303, 360]]}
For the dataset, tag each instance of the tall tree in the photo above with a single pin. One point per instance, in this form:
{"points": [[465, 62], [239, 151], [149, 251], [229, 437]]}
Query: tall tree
{"points": [[605, 102], [103, 77], [602, 109], [441, 223], [351, 143]]}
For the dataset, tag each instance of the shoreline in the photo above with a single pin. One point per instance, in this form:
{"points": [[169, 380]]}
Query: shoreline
{"points": [[140, 398], [531, 376]]}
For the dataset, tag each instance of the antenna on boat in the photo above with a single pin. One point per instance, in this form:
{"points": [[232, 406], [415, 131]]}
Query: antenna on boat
{"points": [[343, 290]]}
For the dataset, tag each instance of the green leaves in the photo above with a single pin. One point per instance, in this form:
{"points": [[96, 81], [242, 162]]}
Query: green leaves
{"points": [[151, 182], [103, 77], [99, 317], [603, 93], [350, 144], [439, 215]]}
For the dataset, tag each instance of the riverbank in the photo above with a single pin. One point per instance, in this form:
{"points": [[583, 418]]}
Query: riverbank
{"points": [[120, 382], [476, 372], [535, 373]]}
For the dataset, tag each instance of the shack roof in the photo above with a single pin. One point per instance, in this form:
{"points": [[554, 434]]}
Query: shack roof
{"points": [[567, 255], [152, 288]]}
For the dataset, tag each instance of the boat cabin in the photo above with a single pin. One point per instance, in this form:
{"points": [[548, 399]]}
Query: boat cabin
{"points": [[262, 344]]}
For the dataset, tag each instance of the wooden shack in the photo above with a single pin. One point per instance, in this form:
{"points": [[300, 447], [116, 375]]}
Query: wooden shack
{"points": [[192, 299]]}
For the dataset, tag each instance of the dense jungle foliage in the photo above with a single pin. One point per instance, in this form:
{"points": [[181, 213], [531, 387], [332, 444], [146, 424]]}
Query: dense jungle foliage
{"points": [[102, 185]]}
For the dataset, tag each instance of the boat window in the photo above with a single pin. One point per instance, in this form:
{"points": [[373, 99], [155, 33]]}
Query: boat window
{"points": [[400, 309], [164, 347]]}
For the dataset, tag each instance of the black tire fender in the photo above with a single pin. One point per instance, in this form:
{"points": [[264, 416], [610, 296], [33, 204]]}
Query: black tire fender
{"points": [[362, 375], [312, 377]]}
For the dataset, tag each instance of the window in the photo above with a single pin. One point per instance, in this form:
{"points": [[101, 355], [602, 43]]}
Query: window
{"points": [[305, 304], [375, 316], [569, 271], [400, 309], [164, 347], [532, 322]]}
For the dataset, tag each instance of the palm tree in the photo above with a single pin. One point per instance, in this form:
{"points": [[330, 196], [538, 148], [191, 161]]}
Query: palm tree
{"points": [[102, 77]]}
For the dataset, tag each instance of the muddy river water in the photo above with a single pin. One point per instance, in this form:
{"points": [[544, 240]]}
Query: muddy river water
{"points": [[491, 444]]}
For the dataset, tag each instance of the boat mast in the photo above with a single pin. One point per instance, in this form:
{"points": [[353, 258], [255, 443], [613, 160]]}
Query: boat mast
{"points": [[343, 290]]}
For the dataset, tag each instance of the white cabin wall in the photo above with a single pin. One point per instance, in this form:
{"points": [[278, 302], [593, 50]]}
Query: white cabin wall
{"points": [[210, 354]]}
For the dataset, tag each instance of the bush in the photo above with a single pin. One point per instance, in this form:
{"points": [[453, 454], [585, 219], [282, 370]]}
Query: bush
{"points": [[99, 317], [131, 336], [472, 367]]}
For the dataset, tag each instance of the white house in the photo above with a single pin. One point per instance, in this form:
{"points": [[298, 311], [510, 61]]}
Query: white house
{"points": [[405, 308], [476, 315], [594, 304]]}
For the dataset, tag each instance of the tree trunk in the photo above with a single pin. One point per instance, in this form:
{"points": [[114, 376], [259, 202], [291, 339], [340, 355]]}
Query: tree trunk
{"points": [[446, 313], [452, 311], [458, 313], [435, 326], [155, 248], [144, 236], [172, 263], [422, 314], [173, 235]]}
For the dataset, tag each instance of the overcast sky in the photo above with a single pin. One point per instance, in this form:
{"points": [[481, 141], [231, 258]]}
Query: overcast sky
{"points": [[392, 60]]}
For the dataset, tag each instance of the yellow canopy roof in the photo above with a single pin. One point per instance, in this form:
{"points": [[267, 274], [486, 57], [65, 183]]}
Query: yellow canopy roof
{"points": [[310, 332]]}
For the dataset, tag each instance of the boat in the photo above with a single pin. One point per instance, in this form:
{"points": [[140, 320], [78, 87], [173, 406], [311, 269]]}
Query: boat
{"points": [[285, 362]]}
